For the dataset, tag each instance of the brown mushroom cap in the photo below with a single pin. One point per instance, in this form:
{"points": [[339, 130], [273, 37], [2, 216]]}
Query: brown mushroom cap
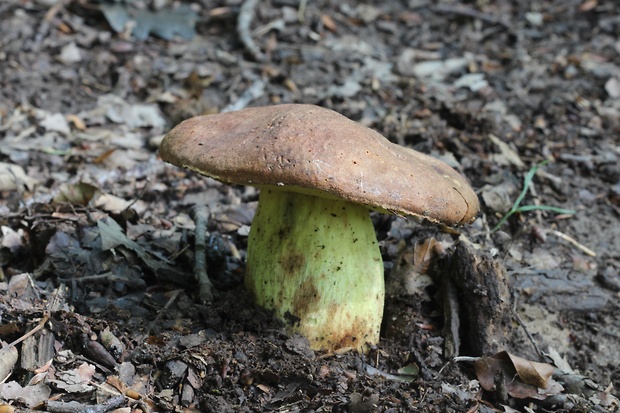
{"points": [[310, 149]]}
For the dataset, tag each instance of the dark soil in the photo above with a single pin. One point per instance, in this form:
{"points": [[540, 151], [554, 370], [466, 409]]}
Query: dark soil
{"points": [[99, 307]]}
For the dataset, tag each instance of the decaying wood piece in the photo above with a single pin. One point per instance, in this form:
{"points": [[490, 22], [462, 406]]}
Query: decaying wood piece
{"points": [[477, 310], [37, 350], [201, 217], [452, 321]]}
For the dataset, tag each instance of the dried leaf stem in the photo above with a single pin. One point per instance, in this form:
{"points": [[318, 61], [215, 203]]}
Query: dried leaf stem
{"points": [[246, 15]]}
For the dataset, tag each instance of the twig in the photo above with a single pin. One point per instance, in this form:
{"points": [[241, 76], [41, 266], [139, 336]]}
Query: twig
{"points": [[541, 355], [140, 195], [425, 372], [31, 332], [47, 20], [108, 277], [470, 359], [76, 407], [246, 15], [255, 91], [201, 217], [173, 297], [301, 10], [517, 317], [573, 241], [469, 12]]}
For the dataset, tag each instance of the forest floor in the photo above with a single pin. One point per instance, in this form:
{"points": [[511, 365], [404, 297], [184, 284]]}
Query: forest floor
{"points": [[99, 307]]}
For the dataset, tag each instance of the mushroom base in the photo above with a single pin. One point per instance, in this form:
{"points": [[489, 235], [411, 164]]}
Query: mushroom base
{"points": [[316, 263]]}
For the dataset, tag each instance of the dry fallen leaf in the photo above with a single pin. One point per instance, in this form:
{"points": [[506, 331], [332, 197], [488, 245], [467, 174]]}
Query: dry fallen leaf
{"points": [[111, 203], [507, 154], [523, 378], [588, 5], [412, 266], [76, 380], [112, 236], [532, 372], [329, 23], [8, 358], [31, 396], [13, 240], [423, 253], [13, 177], [76, 121], [79, 193]]}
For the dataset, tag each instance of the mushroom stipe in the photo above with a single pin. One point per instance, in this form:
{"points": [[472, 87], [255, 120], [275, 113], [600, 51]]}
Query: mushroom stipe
{"points": [[317, 260], [313, 256]]}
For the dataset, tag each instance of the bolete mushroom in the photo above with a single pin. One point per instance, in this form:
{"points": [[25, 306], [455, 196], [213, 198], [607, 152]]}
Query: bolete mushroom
{"points": [[313, 256]]}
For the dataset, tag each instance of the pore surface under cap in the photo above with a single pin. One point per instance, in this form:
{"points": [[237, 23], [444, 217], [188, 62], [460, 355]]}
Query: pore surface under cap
{"points": [[306, 148]]}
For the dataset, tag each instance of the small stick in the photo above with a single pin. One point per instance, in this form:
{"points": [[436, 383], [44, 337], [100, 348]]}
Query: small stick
{"points": [[31, 332], [425, 372], [469, 12], [255, 91], [301, 10], [516, 316], [173, 297], [77, 407], [573, 241], [201, 217], [47, 20], [246, 15]]}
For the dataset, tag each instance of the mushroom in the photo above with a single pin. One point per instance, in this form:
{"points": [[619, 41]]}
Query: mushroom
{"points": [[313, 256]]}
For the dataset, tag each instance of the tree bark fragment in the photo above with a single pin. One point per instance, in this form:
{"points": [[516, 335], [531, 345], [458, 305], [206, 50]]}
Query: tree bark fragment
{"points": [[476, 298]]}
